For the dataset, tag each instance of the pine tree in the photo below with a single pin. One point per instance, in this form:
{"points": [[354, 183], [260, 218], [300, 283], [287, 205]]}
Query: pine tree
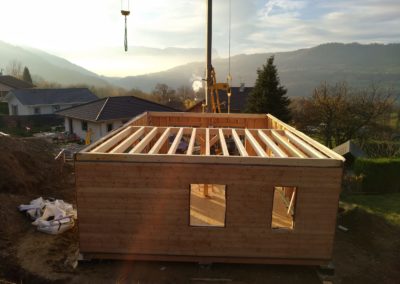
{"points": [[268, 96], [26, 76]]}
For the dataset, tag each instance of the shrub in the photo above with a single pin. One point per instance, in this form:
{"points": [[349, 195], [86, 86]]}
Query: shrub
{"points": [[380, 149], [379, 175]]}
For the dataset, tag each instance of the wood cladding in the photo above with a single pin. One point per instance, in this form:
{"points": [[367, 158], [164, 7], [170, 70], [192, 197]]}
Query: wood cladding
{"points": [[143, 209]]}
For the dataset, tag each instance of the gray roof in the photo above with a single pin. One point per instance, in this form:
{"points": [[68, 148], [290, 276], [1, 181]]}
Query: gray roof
{"points": [[124, 107], [349, 148], [14, 83], [53, 96]]}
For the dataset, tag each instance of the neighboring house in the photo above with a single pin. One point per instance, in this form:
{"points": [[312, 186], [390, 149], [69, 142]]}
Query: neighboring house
{"points": [[104, 115], [9, 83], [46, 101], [238, 100], [349, 151]]}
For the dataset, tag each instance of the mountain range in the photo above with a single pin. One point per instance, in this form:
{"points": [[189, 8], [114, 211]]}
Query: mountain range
{"points": [[300, 71]]}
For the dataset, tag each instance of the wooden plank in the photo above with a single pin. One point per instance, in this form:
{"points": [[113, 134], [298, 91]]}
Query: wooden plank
{"points": [[143, 143], [291, 204], [207, 142], [239, 145], [223, 142], [129, 141], [191, 143], [107, 145], [214, 140], [306, 148], [289, 147], [196, 159], [176, 142], [312, 142], [260, 151], [160, 142], [271, 145]]}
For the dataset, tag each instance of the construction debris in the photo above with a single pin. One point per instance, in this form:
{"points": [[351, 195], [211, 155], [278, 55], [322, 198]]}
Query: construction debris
{"points": [[50, 216]]}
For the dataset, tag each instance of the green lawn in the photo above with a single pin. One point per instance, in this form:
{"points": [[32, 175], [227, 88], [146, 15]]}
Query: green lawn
{"points": [[384, 205]]}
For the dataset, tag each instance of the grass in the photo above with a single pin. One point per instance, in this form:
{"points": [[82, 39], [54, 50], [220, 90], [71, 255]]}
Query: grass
{"points": [[384, 205]]}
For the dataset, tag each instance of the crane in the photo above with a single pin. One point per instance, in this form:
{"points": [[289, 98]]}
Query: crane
{"points": [[212, 101]]}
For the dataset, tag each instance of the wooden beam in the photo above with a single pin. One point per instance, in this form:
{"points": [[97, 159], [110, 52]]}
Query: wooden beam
{"points": [[176, 142], [214, 140], [128, 142], [146, 140], [239, 145], [289, 147], [199, 159], [311, 141], [160, 142], [107, 145], [253, 142], [271, 145], [223, 142], [291, 204], [306, 148], [207, 142], [191, 143]]}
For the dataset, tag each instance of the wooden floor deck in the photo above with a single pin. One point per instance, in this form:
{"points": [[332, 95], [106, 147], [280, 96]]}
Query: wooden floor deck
{"points": [[207, 209]]}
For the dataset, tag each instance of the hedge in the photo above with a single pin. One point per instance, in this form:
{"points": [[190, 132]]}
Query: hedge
{"points": [[380, 149], [379, 175]]}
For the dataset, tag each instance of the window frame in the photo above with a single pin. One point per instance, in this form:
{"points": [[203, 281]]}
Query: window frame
{"points": [[225, 211]]}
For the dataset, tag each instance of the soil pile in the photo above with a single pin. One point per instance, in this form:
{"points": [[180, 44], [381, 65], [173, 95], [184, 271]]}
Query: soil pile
{"points": [[27, 165]]}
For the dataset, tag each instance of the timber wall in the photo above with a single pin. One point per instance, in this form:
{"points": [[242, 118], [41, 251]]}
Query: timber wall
{"points": [[142, 209]]}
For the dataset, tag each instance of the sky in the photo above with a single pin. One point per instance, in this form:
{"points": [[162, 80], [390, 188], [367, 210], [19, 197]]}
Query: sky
{"points": [[90, 32]]}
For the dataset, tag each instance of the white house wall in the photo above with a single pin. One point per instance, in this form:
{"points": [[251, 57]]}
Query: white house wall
{"points": [[22, 110], [98, 129]]}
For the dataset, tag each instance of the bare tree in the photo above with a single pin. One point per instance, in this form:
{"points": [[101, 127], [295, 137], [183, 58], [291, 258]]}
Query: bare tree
{"points": [[14, 68], [341, 113]]}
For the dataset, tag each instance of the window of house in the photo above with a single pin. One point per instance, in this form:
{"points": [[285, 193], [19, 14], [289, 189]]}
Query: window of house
{"points": [[84, 125], [284, 207], [36, 110], [207, 205], [109, 127], [56, 107], [14, 109]]}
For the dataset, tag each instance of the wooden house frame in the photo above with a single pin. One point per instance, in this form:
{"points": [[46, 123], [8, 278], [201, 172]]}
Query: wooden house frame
{"points": [[210, 188]]}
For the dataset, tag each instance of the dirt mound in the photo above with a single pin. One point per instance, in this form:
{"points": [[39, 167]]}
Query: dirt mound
{"points": [[27, 165]]}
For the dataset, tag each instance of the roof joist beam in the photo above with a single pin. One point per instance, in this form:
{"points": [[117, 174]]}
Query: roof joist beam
{"points": [[239, 145], [285, 144], [223, 142], [306, 148], [253, 142], [144, 142], [128, 142], [110, 143], [271, 145], [176, 142], [191, 143], [160, 142]]}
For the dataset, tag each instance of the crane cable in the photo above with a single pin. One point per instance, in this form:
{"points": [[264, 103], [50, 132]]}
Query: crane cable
{"points": [[229, 79]]}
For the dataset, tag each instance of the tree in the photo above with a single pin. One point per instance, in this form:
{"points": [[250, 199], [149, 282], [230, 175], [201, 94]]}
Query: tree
{"points": [[268, 95], [339, 113], [26, 76], [14, 68]]}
